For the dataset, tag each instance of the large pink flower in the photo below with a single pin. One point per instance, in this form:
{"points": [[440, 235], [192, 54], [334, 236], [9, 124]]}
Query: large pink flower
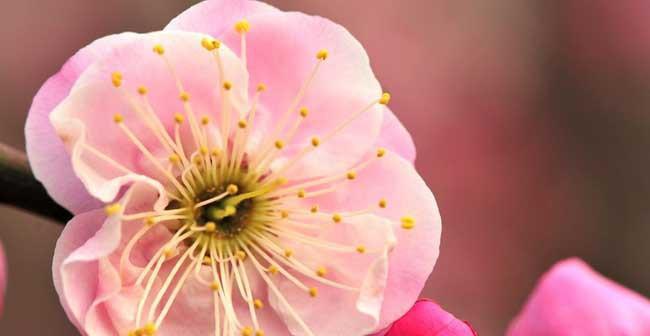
{"points": [[255, 181], [572, 299]]}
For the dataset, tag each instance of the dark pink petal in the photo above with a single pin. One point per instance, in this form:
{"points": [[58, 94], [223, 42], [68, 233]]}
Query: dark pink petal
{"points": [[572, 299], [3, 278], [427, 318]]}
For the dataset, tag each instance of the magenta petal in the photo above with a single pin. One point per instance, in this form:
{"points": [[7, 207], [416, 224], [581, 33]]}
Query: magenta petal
{"points": [[3, 278], [572, 299], [427, 318]]}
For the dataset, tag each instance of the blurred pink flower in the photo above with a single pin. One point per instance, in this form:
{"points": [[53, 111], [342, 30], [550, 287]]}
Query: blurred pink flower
{"points": [[3, 278], [303, 198], [427, 318], [572, 299]]}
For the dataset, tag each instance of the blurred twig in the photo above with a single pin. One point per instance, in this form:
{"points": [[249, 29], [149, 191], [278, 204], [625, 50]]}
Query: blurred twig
{"points": [[19, 187]]}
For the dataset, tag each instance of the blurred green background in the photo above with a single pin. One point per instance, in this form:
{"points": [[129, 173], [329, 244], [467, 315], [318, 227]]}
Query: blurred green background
{"points": [[530, 118]]}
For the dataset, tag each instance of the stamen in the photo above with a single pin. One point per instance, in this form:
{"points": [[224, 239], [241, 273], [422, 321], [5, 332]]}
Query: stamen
{"points": [[408, 222]]}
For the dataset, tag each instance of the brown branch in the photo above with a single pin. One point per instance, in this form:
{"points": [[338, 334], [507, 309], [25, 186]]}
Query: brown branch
{"points": [[19, 187]]}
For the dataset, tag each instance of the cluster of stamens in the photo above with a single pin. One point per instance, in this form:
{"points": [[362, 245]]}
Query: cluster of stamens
{"points": [[228, 208]]}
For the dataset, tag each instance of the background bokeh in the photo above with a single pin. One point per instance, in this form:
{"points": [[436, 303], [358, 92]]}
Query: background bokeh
{"points": [[530, 118]]}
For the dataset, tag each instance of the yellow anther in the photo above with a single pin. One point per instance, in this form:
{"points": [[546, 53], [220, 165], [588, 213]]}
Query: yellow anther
{"points": [[210, 44], [314, 209], [258, 304], [259, 333], [247, 331], [381, 152], [149, 221], [227, 85], [132, 333], [322, 54], [204, 150], [232, 189], [288, 253], [184, 96], [168, 252], [210, 227], [284, 214], [242, 26], [174, 159], [279, 144], [159, 49], [215, 286], [304, 112], [351, 175], [301, 193], [142, 90], [280, 181], [206, 260], [261, 87], [242, 123], [113, 209], [315, 141], [313, 292], [178, 118], [215, 152], [240, 255], [273, 270], [383, 203], [361, 249], [385, 98], [408, 222], [149, 329], [205, 120], [336, 218], [321, 271], [116, 78], [118, 118], [198, 160]]}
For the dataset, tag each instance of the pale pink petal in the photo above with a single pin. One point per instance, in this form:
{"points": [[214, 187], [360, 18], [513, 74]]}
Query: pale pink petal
{"points": [[395, 137], [281, 52], [427, 318], [348, 311], [213, 17], [83, 273], [47, 156], [85, 117], [572, 299], [394, 179]]}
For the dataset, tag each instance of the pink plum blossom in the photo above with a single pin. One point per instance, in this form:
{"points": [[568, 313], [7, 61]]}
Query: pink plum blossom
{"points": [[253, 181], [572, 299], [427, 318]]}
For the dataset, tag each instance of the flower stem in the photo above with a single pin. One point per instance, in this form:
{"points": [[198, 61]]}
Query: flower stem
{"points": [[19, 187]]}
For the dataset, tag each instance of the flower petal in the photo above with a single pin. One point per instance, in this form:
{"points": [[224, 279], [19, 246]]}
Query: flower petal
{"points": [[572, 299], [395, 137], [281, 52], [427, 318], [83, 271], [47, 156], [3, 278], [348, 311], [213, 17], [85, 118], [394, 179]]}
